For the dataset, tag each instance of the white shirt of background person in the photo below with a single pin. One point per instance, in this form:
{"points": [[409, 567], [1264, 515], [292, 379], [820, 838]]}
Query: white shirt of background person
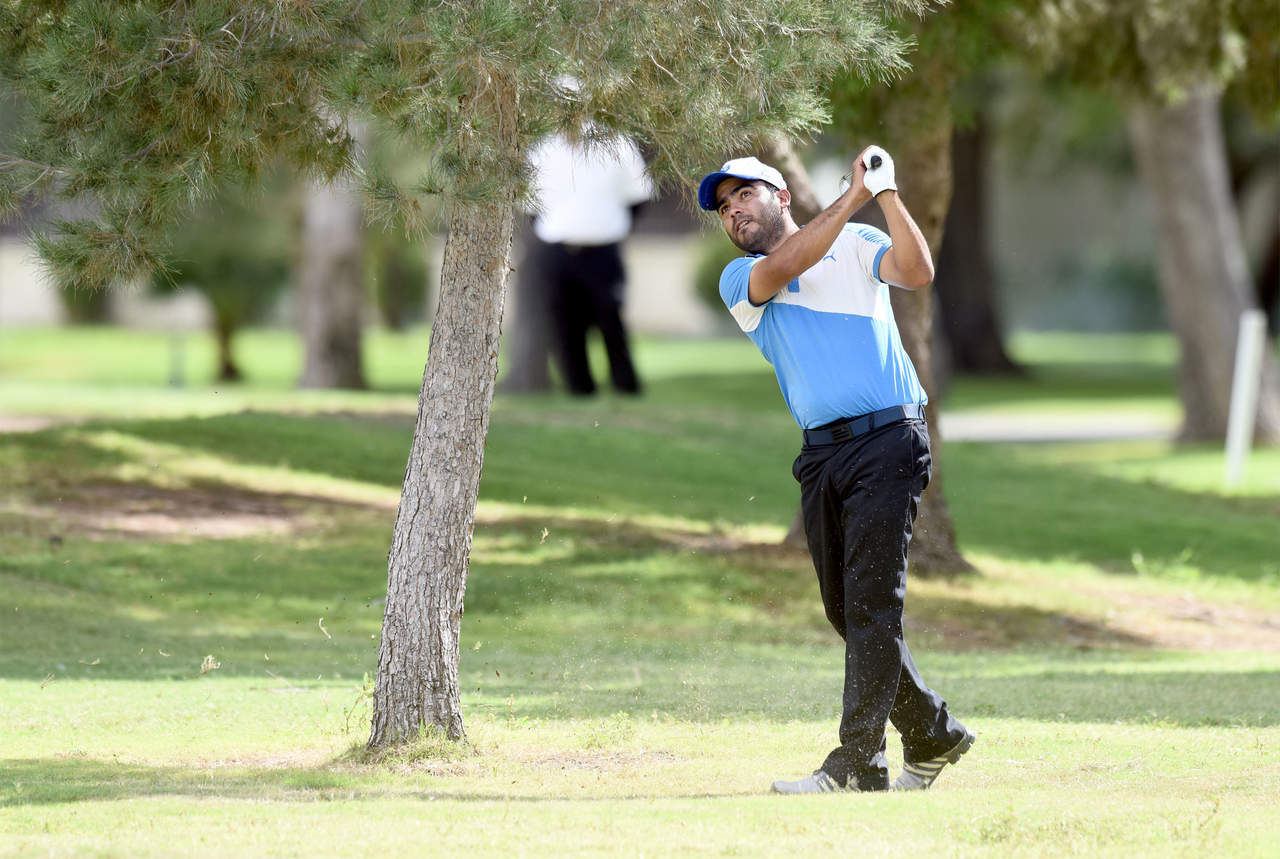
{"points": [[584, 194]]}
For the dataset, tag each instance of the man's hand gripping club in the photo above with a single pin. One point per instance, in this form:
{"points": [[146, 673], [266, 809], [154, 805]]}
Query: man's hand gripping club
{"points": [[907, 263]]}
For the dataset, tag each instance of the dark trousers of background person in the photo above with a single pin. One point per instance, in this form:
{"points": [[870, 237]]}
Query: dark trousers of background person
{"points": [[584, 289], [859, 499]]}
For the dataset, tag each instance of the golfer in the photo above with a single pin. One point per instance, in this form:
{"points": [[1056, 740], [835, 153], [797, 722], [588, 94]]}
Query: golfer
{"points": [[816, 303]]}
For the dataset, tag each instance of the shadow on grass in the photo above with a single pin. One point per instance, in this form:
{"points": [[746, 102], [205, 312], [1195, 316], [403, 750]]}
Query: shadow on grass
{"points": [[73, 779], [1006, 501], [27, 782], [153, 610], [621, 465]]}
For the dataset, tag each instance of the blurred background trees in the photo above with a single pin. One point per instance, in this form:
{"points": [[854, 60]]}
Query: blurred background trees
{"points": [[1169, 63], [237, 252]]}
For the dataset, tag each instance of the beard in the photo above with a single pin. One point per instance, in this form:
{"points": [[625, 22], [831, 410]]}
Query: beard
{"points": [[769, 229]]}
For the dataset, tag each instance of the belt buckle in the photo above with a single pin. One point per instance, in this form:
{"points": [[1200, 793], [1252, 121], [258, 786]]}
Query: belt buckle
{"points": [[841, 433]]}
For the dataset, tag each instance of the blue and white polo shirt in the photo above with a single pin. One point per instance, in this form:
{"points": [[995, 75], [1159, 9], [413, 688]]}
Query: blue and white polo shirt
{"points": [[830, 334]]}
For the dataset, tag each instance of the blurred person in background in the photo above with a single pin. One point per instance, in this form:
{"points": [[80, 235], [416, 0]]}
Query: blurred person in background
{"points": [[585, 197]]}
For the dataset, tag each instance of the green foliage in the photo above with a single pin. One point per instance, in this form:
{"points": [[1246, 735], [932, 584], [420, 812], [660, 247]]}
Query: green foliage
{"points": [[953, 42], [395, 243], [237, 251], [398, 275], [148, 107], [1259, 88], [84, 305], [1161, 48], [1083, 124]]}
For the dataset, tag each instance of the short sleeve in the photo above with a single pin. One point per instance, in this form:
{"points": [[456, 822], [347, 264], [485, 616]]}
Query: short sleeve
{"points": [[872, 245], [735, 282]]}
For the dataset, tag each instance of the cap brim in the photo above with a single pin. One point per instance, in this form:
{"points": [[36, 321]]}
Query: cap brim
{"points": [[707, 190]]}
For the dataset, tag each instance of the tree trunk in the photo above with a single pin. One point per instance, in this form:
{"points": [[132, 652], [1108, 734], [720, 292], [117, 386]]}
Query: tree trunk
{"points": [[331, 285], [1266, 284], [224, 329], [1204, 275], [528, 334], [805, 206], [779, 152], [417, 680], [965, 282], [921, 149]]}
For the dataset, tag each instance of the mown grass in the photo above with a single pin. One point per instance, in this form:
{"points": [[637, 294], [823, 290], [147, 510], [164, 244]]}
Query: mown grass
{"points": [[639, 660]]}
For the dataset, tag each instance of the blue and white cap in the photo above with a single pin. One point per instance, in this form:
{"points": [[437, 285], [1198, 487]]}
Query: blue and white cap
{"points": [[739, 168]]}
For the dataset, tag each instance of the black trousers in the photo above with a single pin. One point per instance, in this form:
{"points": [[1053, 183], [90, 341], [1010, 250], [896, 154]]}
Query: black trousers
{"points": [[859, 500], [584, 289]]}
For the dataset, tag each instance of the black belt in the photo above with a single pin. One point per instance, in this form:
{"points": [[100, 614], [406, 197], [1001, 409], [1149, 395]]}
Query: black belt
{"points": [[574, 250], [843, 430]]}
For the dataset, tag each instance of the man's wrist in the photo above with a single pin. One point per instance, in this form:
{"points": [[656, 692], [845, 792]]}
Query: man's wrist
{"points": [[857, 198]]}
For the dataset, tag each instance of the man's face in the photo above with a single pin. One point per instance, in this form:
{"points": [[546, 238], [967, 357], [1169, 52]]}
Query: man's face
{"points": [[751, 214]]}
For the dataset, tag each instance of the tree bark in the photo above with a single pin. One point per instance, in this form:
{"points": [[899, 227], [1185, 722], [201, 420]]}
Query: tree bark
{"points": [[331, 285], [1203, 272], [417, 680], [805, 206], [965, 282]]}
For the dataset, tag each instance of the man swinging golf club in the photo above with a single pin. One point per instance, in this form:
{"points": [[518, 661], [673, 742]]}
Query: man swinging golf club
{"points": [[815, 301]]}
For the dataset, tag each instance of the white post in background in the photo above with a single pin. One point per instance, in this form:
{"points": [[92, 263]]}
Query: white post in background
{"points": [[177, 360], [1244, 393]]}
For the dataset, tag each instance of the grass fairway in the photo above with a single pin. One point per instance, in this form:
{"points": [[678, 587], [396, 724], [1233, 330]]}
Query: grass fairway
{"points": [[191, 585]]}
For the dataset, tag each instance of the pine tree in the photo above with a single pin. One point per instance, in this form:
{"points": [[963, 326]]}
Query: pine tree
{"points": [[148, 105]]}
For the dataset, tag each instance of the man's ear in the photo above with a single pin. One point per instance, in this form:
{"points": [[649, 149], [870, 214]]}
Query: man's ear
{"points": [[784, 198]]}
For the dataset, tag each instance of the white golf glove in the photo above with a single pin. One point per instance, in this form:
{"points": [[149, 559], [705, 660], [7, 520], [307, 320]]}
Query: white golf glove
{"points": [[880, 178]]}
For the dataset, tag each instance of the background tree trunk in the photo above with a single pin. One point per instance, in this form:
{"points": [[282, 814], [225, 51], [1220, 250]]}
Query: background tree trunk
{"points": [[1266, 285], [778, 152], [331, 285], [1204, 275], [417, 680], [920, 131], [224, 331], [805, 206], [965, 282], [528, 332]]}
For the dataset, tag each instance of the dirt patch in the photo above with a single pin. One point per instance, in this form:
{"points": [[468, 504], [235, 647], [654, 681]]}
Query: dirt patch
{"points": [[1017, 626], [1125, 617], [27, 423], [264, 761], [602, 761], [1185, 622], [165, 513]]}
